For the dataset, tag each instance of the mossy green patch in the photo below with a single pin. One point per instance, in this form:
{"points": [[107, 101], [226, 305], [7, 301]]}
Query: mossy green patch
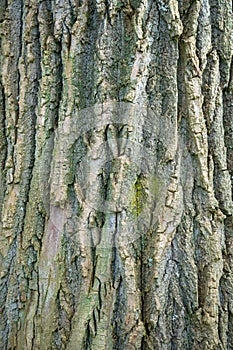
{"points": [[139, 196], [145, 192]]}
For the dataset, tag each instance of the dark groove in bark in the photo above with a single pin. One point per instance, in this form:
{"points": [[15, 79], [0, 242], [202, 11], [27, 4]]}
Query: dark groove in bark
{"points": [[180, 84], [18, 71], [3, 145]]}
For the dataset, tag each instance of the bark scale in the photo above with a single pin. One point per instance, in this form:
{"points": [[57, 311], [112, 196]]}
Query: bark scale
{"points": [[116, 172]]}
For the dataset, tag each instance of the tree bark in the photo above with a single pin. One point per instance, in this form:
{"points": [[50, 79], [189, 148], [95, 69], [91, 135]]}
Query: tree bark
{"points": [[116, 173]]}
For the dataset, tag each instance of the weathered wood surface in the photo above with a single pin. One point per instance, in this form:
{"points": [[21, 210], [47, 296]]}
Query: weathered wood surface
{"points": [[116, 172]]}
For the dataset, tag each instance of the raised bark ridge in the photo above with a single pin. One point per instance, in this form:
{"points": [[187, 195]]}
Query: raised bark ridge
{"points": [[116, 172]]}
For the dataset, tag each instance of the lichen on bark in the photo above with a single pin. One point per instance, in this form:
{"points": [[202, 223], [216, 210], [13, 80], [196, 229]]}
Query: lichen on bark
{"points": [[116, 171]]}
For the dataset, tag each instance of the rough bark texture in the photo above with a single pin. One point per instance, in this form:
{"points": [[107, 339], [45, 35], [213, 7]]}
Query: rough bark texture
{"points": [[116, 172]]}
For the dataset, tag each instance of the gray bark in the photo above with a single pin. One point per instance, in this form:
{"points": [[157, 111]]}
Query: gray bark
{"points": [[116, 171]]}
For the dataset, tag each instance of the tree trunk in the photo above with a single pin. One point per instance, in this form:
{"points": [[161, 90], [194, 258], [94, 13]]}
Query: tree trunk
{"points": [[116, 173]]}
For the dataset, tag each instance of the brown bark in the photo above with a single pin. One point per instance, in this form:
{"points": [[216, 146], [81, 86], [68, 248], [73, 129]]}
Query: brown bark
{"points": [[116, 172]]}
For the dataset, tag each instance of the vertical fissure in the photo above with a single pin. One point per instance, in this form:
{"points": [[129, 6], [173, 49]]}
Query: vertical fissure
{"points": [[180, 83], [3, 145], [18, 71]]}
